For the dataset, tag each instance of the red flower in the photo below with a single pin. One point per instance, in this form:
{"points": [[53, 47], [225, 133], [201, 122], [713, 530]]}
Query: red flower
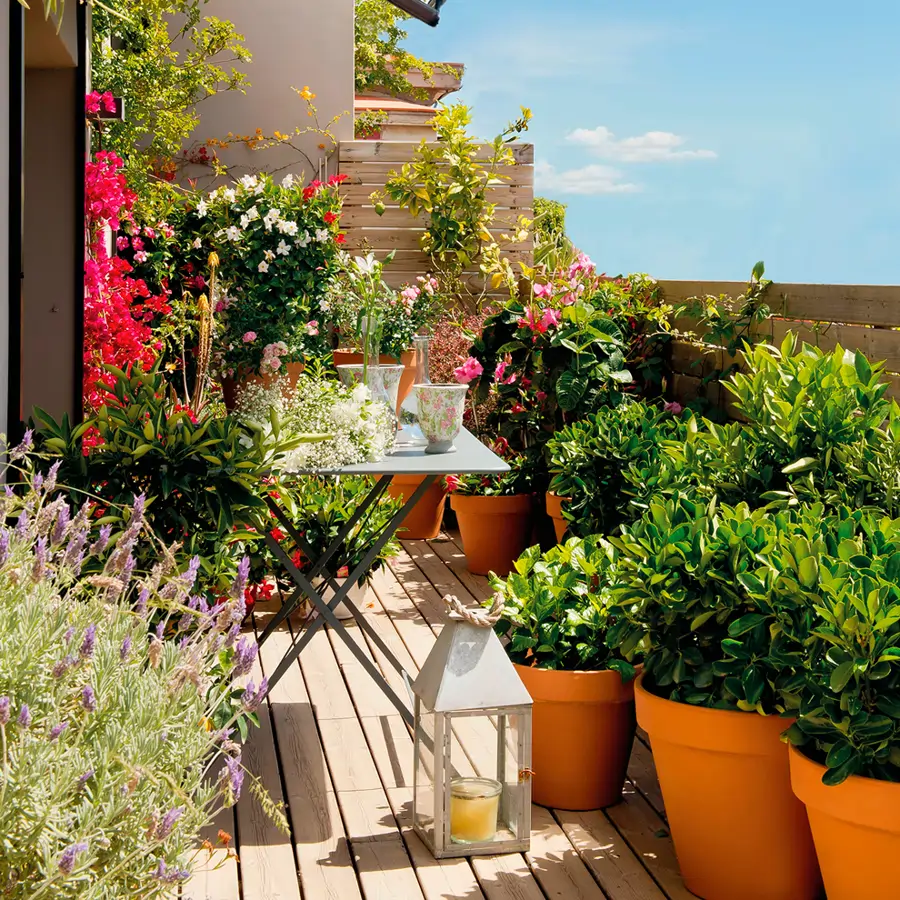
{"points": [[277, 533], [330, 218], [340, 238]]}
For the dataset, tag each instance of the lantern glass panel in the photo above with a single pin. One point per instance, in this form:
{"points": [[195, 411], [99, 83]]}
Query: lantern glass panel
{"points": [[511, 731], [424, 774]]}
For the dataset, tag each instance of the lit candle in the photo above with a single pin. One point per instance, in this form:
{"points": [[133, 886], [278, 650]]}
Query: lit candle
{"points": [[474, 804]]}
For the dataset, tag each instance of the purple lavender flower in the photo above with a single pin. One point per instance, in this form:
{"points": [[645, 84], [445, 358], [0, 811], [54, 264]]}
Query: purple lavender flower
{"points": [[4, 546], [37, 482], [88, 698], [75, 549], [4, 710], [39, 569], [244, 656], [22, 523], [87, 645], [160, 629], [84, 779], [240, 582], [168, 822], [252, 697], [62, 523], [164, 875], [125, 649], [184, 642], [63, 666], [8, 491], [232, 635], [57, 730], [67, 860], [24, 716], [141, 605], [102, 540], [128, 570], [70, 633], [233, 773], [52, 475]]}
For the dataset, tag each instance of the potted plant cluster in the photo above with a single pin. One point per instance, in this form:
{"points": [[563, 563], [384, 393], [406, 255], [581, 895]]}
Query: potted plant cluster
{"points": [[555, 617]]}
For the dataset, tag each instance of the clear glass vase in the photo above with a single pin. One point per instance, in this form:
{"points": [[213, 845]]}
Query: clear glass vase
{"points": [[410, 433]]}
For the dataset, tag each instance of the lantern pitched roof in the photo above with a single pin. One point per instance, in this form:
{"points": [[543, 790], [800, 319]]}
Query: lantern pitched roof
{"points": [[427, 11], [469, 669]]}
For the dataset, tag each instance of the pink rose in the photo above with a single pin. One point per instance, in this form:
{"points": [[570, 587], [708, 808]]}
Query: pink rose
{"points": [[249, 337]]}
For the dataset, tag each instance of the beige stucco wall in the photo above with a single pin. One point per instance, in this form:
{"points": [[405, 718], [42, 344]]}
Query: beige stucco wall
{"points": [[294, 43], [4, 223], [48, 322]]}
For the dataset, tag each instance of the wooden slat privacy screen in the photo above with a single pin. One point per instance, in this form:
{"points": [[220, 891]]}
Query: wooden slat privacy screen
{"points": [[856, 317], [369, 164]]}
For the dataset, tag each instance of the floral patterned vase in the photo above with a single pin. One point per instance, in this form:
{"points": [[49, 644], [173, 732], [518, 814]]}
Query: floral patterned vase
{"points": [[440, 414]]}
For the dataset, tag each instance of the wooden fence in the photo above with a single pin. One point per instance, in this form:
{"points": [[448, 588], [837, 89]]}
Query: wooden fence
{"points": [[369, 164], [856, 317]]}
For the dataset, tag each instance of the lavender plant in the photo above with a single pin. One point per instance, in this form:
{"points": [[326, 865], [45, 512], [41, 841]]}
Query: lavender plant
{"points": [[109, 766]]}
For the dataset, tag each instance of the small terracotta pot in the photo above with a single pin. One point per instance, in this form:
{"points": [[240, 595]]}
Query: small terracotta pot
{"points": [[855, 827], [554, 510], [423, 522], [287, 378], [494, 530], [739, 831], [594, 711], [408, 359]]}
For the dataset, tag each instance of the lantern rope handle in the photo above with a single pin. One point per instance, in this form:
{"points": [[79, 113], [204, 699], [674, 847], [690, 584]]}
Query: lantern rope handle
{"points": [[480, 618]]}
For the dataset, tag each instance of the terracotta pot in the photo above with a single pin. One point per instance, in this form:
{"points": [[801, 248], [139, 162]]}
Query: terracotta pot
{"points": [[554, 510], [423, 522], [408, 359], [494, 530], [739, 831], [594, 711], [855, 827], [231, 387]]}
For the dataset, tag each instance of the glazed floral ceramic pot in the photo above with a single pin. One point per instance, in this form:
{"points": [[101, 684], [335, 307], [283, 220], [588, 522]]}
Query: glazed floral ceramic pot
{"points": [[440, 414]]}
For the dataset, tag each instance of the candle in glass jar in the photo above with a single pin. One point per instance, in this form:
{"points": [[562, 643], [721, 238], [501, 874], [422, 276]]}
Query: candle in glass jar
{"points": [[474, 805]]}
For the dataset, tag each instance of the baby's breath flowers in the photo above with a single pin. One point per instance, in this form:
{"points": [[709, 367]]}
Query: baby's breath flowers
{"points": [[107, 685], [359, 429]]}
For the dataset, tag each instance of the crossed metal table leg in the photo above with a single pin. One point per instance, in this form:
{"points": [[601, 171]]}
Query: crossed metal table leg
{"points": [[325, 611]]}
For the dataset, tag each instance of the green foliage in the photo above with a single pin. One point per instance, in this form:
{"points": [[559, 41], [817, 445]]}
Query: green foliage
{"points": [[556, 608], [380, 60], [448, 182], [552, 247], [202, 479], [165, 58], [525, 476], [727, 324], [694, 589], [600, 463]]}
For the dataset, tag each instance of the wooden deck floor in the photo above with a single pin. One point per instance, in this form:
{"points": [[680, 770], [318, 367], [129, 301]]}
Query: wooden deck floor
{"points": [[337, 753]]}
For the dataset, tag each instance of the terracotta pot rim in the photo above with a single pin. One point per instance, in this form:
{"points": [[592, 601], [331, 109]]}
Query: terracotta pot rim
{"points": [[867, 802], [503, 504], [712, 730], [565, 686]]}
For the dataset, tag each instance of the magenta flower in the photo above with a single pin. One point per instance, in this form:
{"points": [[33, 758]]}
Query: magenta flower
{"points": [[4, 710], [551, 318], [468, 371], [544, 291], [249, 337], [675, 408]]}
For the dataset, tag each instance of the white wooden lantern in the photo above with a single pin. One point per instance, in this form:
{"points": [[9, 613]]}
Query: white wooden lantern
{"points": [[469, 681]]}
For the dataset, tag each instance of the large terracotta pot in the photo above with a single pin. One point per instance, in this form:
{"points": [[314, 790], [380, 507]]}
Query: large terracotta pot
{"points": [[287, 378], [423, 521], [855, 827], [583, 728], [554, 510], [494, 530], [739, 831], [407, 359]]}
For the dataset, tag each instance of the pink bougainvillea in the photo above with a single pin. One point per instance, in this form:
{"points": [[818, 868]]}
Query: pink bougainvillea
{"points": [[117, 307]]}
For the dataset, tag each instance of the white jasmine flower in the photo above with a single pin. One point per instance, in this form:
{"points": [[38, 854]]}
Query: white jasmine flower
{"points": [[197, 244], [202, 208], [245, 220], [229, 195], [283, 249], [248, 182], [271, 217], [233, 233], [303, 240], [253, 213], [287, 181], [367, 265], [263, 267], [322, 235], [269, 256], [285, 226]]}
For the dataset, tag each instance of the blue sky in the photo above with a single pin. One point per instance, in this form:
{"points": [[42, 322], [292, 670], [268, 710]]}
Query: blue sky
{"points": [[692, 139]]}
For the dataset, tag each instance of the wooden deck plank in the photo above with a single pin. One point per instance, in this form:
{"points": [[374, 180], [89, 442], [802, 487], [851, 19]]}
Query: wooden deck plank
{"points": [[385, 870], [506, 877], [453, 556], [216, 874], [268, 869], [642, 772], [606, 852], [323, 853]]}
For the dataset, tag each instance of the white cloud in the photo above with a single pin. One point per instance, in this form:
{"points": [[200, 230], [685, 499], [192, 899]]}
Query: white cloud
{"points": [[654, 146], [588, 182]]}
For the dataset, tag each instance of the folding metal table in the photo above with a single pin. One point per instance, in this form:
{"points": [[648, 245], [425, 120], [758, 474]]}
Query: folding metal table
{"points": [[471, 458]]}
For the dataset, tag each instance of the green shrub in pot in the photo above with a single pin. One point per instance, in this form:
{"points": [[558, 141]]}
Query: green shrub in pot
{"points": [[555, 618], [556, 608]]}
